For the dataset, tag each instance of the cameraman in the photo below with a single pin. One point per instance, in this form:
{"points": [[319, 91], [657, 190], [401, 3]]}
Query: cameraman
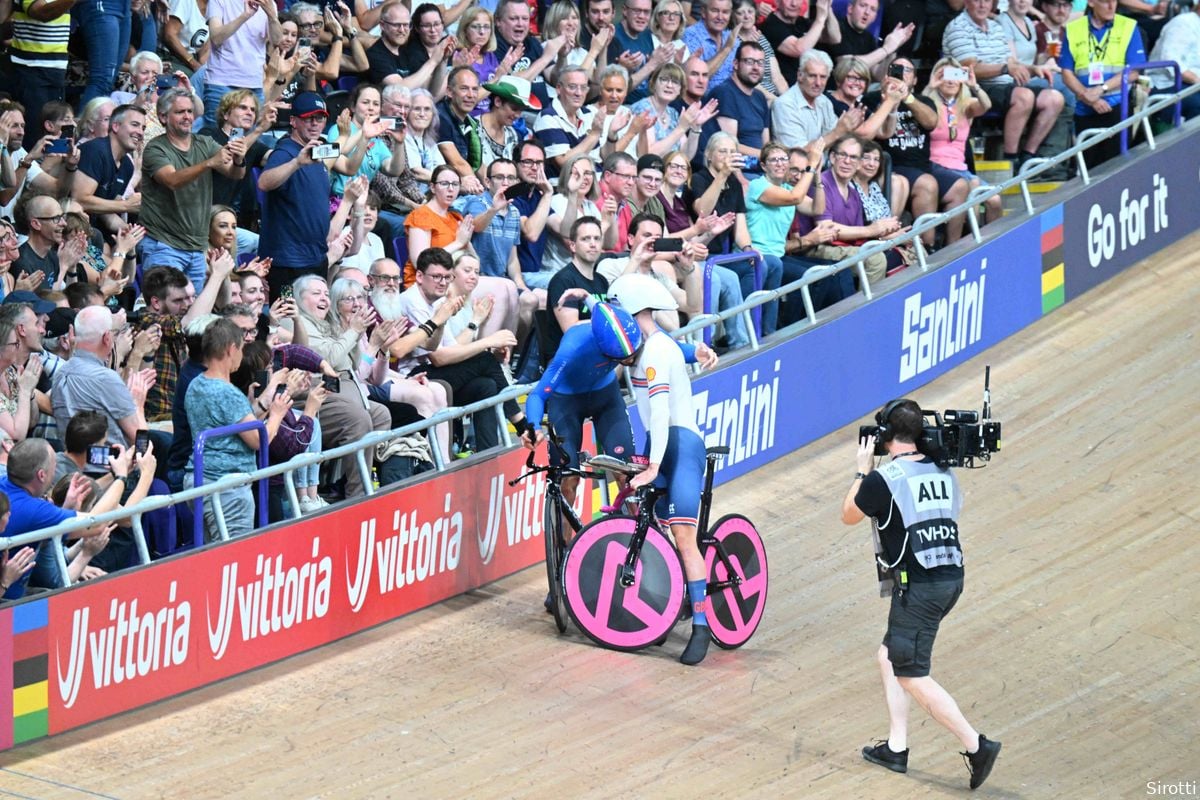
{"points": [[914, 503]]}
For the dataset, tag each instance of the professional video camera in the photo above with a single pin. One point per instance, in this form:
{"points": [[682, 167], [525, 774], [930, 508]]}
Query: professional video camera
{"points": [[954, 438]]}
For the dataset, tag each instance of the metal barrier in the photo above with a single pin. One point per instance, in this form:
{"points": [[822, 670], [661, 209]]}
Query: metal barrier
{"points": [[1171, 65], [693, 329], [202, 440]]}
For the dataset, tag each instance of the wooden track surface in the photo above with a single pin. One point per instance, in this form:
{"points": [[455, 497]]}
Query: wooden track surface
{"points": [[1075, 643]]}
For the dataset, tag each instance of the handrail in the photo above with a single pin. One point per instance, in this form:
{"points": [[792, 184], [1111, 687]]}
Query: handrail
{"points": [[1028, 171], [264, 443], [1171, 65]]}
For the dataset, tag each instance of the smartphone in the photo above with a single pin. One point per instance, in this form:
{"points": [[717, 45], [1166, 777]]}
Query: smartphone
{"points": [[276, 363], [954, 74], [167, 82], [141, 441], [236, 133], [262, 378], [98, 454], [519, 189], [285, 292], [303, 42], [58, 147], [668, 244], [332, 385], [67, 131], [391, 123], [280, 389], [323, 151], [896, 71]]}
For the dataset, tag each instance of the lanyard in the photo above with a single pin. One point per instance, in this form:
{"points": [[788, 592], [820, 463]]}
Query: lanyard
{"points": [[1096, 51]]}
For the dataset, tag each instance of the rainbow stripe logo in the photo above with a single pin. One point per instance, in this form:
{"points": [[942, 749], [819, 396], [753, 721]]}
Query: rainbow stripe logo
{"points": [[1053, 291], [27, 693]]}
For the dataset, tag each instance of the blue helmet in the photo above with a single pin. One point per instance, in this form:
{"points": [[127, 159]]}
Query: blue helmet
{"points": [[615, 332]]}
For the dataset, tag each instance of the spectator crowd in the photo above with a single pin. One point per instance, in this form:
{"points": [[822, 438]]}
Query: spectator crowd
{"points": [[319, 221]]}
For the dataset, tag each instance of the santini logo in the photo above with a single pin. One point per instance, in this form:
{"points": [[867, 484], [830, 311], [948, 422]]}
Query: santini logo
{"points": [[935, 330], [745, 423]]}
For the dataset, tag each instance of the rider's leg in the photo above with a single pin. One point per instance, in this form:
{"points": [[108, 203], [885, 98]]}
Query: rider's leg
{"points": [[683, 470]]}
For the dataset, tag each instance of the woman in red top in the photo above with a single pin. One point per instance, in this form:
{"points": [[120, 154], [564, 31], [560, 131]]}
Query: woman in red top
{"points": [[436, 224]]}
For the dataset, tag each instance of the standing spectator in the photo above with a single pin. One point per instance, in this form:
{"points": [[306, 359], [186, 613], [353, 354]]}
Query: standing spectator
{"points": [[86, 383], [104, 25], [38, 52], [712, 41], [169, 310], [240, 32], [369, 147], [1180, 42], [460, 140], [1097, 49], [804, 112], [792, 33], [240, 115], [295, 226], [743, 111], [857, 40], [212, 401], [177, 187], [185, 35], [976, 40], [106, 169]]}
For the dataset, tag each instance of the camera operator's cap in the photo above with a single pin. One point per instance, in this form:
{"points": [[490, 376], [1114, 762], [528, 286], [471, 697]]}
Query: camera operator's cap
{"points": [[61, 320], [636, 293], [40, 306], [515, 90], [309, 104], [650, 161]]}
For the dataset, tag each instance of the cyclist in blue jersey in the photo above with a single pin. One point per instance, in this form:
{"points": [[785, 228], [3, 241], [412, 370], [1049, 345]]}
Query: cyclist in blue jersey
{"points": [[580, 383], [673, 443]]}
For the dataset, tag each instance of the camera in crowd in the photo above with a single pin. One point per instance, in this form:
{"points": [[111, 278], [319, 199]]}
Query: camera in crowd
{"points": [[954, 438]]}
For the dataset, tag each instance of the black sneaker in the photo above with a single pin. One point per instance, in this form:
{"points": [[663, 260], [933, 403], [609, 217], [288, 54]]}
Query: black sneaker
{"points": [[697, 646], [980, 763], [884, 756]]}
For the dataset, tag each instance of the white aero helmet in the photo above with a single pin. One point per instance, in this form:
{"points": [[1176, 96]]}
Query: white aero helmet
{"points": [[636, 293]]}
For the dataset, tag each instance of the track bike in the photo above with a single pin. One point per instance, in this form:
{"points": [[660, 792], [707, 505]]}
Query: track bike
{"points": [[623, 581]]}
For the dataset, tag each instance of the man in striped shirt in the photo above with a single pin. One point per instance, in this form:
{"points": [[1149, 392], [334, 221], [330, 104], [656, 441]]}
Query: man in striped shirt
{"points": [[38, 51]]}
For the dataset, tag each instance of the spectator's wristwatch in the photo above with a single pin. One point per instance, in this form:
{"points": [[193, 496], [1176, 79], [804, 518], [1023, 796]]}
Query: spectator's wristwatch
{"points": [[1004, 70]]}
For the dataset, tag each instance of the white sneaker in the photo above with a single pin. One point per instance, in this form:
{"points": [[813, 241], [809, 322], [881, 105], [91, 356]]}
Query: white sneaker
{"points": [[308, 505]]}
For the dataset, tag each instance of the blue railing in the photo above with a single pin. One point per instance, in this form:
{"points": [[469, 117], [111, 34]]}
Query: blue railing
{"points": [[198, 476]]}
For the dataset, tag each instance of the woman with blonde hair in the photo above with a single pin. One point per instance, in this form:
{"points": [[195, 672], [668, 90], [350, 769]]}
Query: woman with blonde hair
{"points": [[958, 103], [670, 129], [667, 26]]}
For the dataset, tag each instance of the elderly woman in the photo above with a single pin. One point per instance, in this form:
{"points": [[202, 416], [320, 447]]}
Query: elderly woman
{"points": [[420, 141], [618, 130], [670, 130], [347, 415], [408, 399], [18, 384], [575, 197], [93, 120], [562, 19]]}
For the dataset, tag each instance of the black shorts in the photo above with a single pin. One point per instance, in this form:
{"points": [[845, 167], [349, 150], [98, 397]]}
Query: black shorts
{"points": [[944, 177], [610, 421], [1001, 96], [913, 625]]}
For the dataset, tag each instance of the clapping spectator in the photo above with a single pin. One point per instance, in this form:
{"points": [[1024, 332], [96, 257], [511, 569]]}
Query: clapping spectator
{"points": [[47, 255], [670, 129], [858, 40], [667, 26], [20, 371]]}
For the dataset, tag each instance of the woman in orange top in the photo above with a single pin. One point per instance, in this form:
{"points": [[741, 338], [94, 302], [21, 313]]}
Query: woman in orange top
{"points": [[435, 224]]}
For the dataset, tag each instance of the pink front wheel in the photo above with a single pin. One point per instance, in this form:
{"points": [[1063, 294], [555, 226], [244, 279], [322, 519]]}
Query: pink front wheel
{"points": [[737, 582], [608, 612]]}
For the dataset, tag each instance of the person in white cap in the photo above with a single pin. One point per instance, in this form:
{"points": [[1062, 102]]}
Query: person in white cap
{"points": [[673, 443]]}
